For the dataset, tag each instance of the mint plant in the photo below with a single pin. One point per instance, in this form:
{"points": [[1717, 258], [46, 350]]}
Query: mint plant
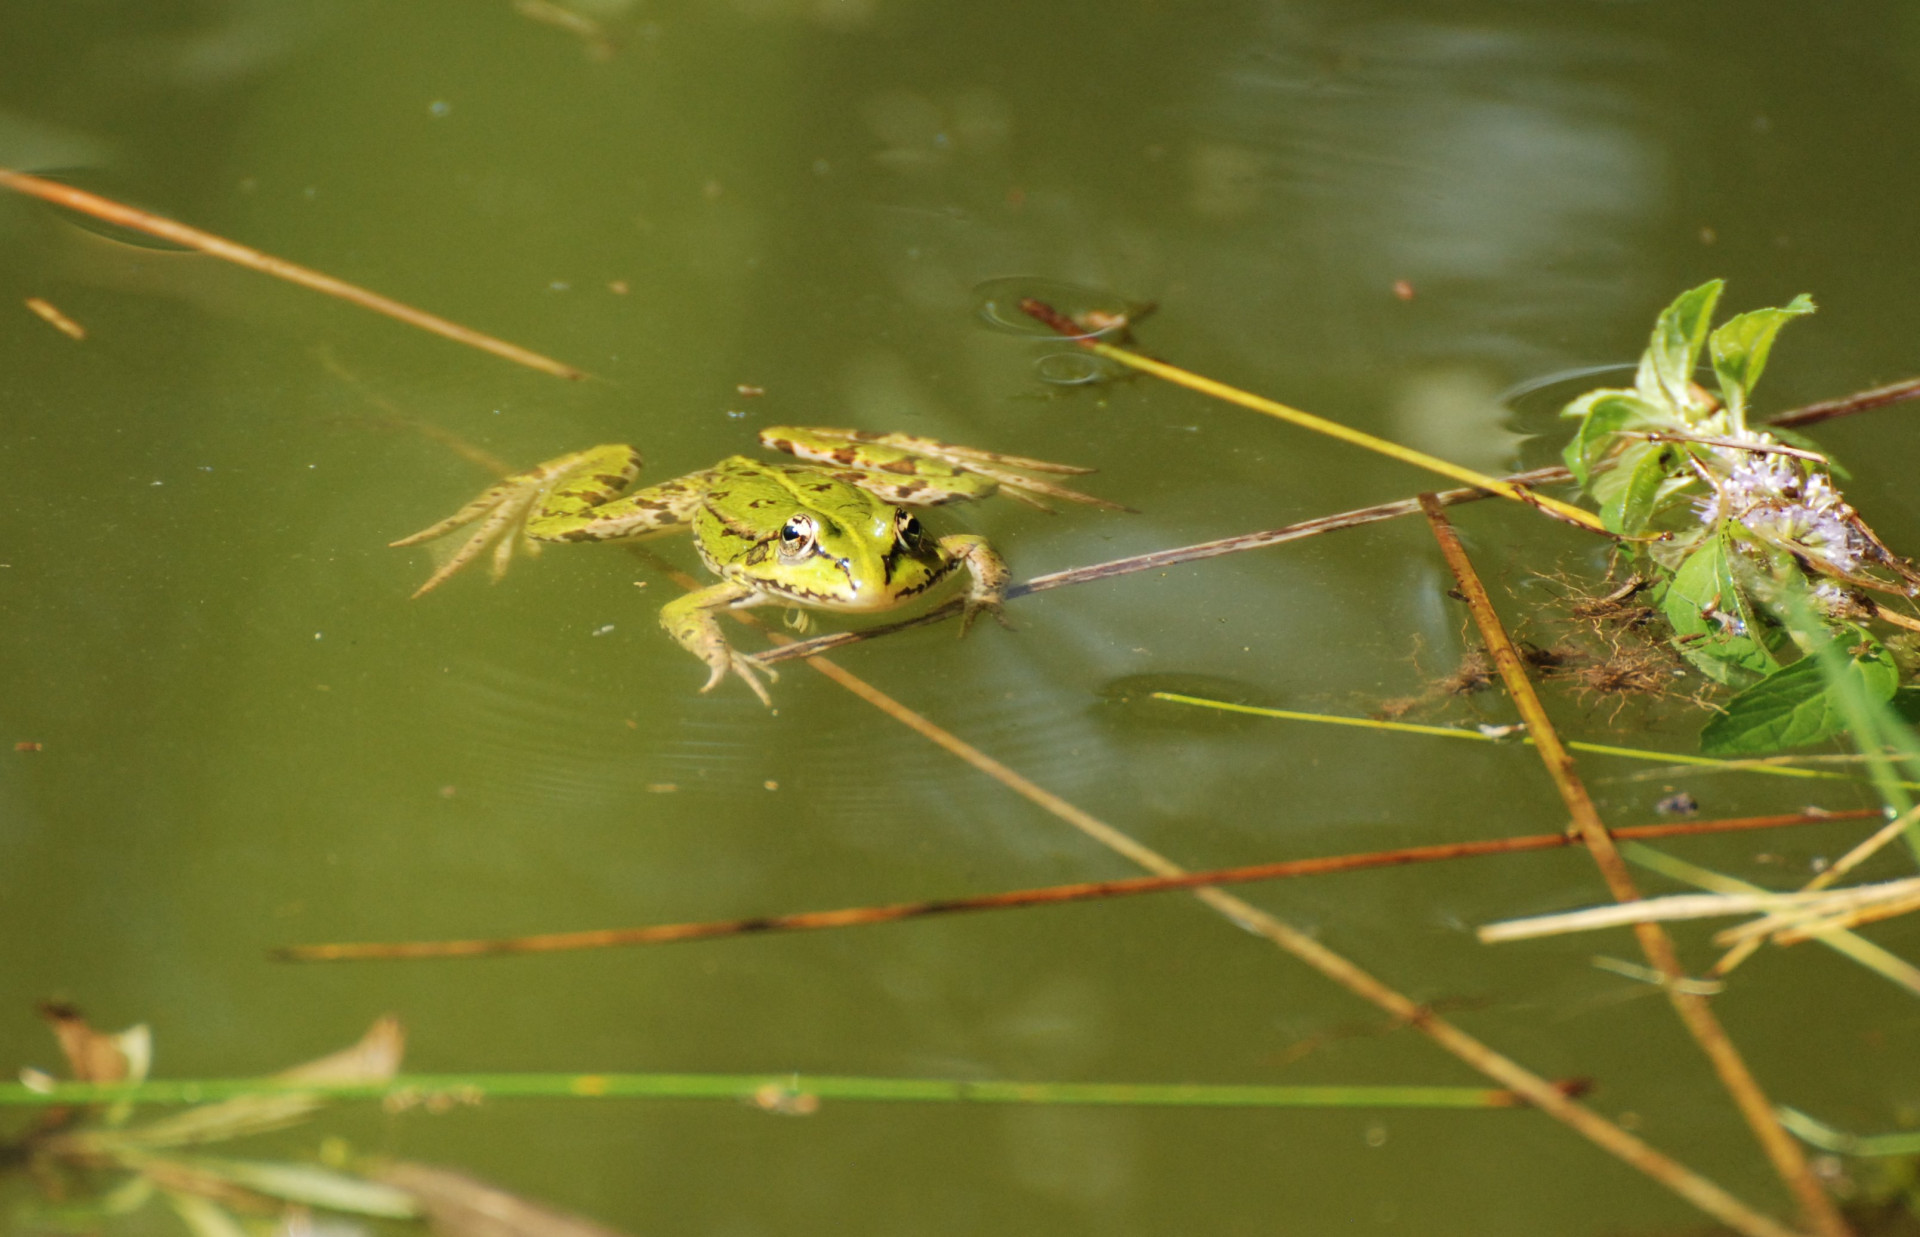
{"points": [[1727, 518]]}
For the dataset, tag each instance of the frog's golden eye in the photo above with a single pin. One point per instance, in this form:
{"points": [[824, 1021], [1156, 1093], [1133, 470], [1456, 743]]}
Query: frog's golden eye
{"points": [[797, 536], [906, 528]]}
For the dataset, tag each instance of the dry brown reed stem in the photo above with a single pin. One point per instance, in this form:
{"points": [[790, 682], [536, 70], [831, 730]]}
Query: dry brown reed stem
{"points": [[1838, 911], [228, 251], [1048, 895], [1817, 1209]]}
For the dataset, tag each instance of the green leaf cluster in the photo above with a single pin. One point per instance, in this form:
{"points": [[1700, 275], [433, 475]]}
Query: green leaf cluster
{"points": [[1638, 480]]}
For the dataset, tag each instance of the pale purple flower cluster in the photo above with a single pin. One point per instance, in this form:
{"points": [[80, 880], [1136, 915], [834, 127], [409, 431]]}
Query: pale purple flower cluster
{"points": [[1778, 499]]}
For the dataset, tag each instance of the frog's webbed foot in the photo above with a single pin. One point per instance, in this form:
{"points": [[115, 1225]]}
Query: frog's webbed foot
{"points": [[987, 587], [690, 620], [749, 669], [502, 510], [925, 471]]}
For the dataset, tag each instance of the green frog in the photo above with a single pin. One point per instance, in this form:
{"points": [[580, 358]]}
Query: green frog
{"points": [[833, 534]]}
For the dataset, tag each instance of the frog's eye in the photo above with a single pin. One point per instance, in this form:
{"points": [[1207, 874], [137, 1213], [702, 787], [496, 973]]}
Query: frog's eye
{"points": [[906, 527], [796, 535]]}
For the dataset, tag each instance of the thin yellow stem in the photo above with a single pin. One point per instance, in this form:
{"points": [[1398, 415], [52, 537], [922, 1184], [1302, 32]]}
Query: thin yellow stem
{"points": [[1455, 732], [1307, 420]]}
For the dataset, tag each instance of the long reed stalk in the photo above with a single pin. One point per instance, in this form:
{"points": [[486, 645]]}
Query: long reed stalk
{"points": [[240, 255]]}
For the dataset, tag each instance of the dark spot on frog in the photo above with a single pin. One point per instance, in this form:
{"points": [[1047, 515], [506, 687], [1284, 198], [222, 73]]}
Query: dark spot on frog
{"points": [[901, 466]]}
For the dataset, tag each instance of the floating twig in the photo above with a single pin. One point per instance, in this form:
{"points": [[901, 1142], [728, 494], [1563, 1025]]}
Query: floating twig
{"points": [[1847, 405], [1049, 895], [1731, 444], [226, 250], [50, 313]]}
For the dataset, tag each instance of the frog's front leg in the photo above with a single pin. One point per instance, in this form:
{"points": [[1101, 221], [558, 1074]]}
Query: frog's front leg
{"points": [[690, 620], [987, 587]]}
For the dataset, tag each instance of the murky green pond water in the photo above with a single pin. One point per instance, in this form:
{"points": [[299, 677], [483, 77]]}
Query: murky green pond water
{"points": [[248, 736]]}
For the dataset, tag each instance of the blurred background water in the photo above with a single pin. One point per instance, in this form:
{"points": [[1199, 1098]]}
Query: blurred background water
{"points": [[249, 736]]}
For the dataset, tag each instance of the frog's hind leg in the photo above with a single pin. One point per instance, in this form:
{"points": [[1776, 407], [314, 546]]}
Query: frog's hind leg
{"points": [[586, 505], [690, 620], [502, 508], [924, 472]]}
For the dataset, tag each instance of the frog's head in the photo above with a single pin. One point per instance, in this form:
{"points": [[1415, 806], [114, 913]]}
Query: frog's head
{"points": [[872, 560]]}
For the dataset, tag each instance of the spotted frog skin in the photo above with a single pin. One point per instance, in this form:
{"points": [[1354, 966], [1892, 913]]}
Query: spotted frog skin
{"points": [[832, 534]]}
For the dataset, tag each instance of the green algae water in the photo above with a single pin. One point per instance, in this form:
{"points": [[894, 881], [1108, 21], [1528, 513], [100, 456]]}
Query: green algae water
{"points": [[225, 728]]}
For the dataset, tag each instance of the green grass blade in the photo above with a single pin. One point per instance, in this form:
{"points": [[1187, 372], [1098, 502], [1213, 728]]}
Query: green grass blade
{"points": [[769, 1090], [1454, 732]]}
